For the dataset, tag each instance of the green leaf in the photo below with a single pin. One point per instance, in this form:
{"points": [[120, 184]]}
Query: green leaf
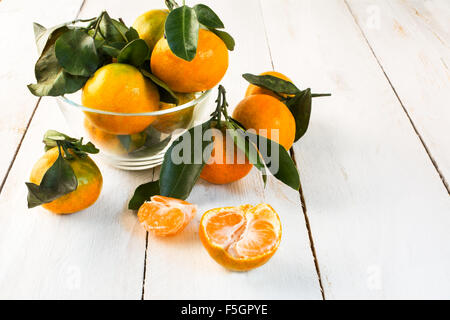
{"points": [[178, 179], [162, 85], [76, 53], [226, 38], [112, 30], [300, 107], [52, 138], [285, 171], [46, 37], [182, 32], [134, 53], [207, 17], [132, 34], [59, 180], [51, 78], [244, 144], [112, 49], [143, 193], [242, 141], [272, 83]]}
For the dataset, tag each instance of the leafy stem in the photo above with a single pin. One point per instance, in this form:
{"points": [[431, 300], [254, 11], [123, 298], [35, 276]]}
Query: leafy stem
{"points": [[171, 4], [97, 25]]}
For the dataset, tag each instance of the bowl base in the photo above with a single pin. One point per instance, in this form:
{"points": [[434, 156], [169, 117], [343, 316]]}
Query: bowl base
{"points": [[136, 165]]}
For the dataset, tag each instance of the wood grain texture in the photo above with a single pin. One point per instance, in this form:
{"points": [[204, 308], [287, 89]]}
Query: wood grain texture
{"points": [[18, 55], [411, 40], [179, 267], [378, 211]]}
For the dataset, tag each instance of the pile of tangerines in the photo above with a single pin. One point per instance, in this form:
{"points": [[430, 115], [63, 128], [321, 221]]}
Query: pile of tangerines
{"points": [[65, 180]]}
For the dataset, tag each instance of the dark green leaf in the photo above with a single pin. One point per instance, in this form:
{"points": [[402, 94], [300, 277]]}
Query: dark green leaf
{"points": [[134, 53], [242, 141], [182, 32], [300, 107], [143, 193], [53, 137], [51, 78], [207, 17], [76, 53], [162, 85], [113, 49], [112, 30], [46, 37], [132, 34], [178, 179], [284, 170], [226, 38], [59, 180], [272, 83]]}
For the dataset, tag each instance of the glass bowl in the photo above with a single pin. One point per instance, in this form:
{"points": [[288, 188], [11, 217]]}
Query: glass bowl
{"points": [[137, 150]]}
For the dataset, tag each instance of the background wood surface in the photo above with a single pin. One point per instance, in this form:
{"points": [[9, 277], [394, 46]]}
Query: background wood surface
{"points": [[373, 214]]}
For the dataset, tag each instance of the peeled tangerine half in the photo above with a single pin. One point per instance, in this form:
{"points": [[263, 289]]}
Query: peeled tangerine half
{"points": [[241, 238], [166, 216]]}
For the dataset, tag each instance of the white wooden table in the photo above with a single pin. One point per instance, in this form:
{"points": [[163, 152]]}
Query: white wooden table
{"points": [[372, 219]]}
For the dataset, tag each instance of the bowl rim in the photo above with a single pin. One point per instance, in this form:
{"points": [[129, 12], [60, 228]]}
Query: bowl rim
{"points": [[202, 97]]}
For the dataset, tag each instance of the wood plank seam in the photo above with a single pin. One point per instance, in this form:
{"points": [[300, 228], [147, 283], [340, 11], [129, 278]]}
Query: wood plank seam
{"points": [[308, 227], [19, 145], [145, 266], [302, 198], [265, 33], [430, 156]]}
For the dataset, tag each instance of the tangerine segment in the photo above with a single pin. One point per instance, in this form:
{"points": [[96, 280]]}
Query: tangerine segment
{"points": [[241, 238], [166, 216]]}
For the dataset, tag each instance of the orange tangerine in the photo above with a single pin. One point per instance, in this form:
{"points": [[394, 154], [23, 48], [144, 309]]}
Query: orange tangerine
{"points": [[202, 73]]}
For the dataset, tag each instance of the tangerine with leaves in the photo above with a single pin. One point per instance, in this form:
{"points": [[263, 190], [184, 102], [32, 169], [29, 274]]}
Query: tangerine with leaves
{"points": [[165, 216], [202, 73], [241, 238], [120, 88], [65, 179], [265, 113]]}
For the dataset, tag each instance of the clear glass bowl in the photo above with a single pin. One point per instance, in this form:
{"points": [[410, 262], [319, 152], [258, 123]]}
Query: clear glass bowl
{"points": [[140, 150]]}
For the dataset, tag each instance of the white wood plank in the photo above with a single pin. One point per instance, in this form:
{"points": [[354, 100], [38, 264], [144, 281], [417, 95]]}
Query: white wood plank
{"points": [[179, 267], [18, 55], [95, 254], [412, 42], [378, 211]]}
